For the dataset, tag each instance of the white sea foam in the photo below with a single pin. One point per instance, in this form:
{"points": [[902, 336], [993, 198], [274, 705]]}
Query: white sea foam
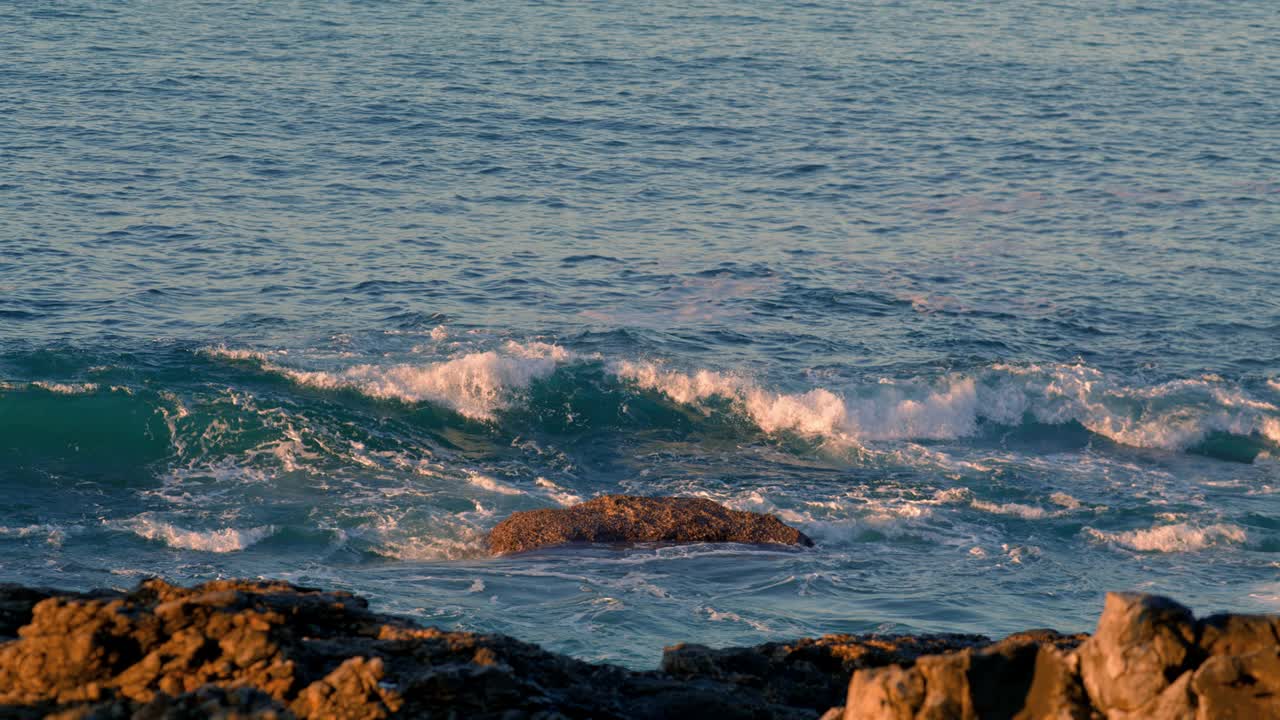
{"points": [[1179, 537], [891, 414], [1026, 512], [66, 388], [222, 540], [1174, 415], [1018, 553], [438, 536], [1064, 500], [432, 548], [493, 485], [240, 354], [953, 495], [727, 616], [476, 385], [52, 534], [556, 493]]}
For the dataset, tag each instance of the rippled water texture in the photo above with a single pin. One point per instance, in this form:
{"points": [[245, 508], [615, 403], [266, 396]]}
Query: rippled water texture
{"points": [[984, 299]]}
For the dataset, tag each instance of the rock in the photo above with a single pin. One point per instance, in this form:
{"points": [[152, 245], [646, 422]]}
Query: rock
{"points": [[628, 518], [808, 670], [1149, 658], [1237, 634], [1143, 643], [1056, 690], [890, 693], [239, 649], [1023, 676], [359, 683], [1239, 686], [16, 603]]}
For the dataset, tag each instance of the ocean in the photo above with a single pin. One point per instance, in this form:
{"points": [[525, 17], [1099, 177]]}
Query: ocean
{"points": [[983, 298]]}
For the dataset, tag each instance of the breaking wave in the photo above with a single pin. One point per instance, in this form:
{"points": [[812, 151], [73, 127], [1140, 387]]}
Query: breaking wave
{"points": [[1179, 537], [1178, 415], [222, 540], [1206, 414], [476, 385]]}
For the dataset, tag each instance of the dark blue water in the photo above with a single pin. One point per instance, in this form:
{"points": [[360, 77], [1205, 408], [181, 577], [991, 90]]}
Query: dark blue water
{"points": [[984, 299]]}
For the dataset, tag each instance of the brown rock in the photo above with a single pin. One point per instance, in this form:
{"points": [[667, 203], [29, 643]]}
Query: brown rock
{"points": [[889, 693], [1056, 690], [1238, 634], [16, 604], [810, 670], [1148, 659], [991, 682], [628, 518], [234, 649], [1142, 645], [1239, 687], [356, 689]]}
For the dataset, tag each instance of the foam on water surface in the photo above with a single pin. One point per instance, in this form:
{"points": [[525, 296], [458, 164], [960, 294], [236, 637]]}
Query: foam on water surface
{"points": [[219, 540], [476, 385], [1178, 537]]}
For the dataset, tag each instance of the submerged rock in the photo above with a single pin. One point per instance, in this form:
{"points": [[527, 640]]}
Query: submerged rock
{"points": [[628, 518]]}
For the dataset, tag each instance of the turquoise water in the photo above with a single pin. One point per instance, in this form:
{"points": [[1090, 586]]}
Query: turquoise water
{"points": [[983, 299]]}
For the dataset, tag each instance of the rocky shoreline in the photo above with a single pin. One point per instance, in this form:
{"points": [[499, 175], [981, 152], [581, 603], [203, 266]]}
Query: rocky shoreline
{"points": [[238, 649]]}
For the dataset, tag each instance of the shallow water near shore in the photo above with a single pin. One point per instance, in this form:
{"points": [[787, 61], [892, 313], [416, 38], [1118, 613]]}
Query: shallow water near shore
{"points": [[983, 300]]}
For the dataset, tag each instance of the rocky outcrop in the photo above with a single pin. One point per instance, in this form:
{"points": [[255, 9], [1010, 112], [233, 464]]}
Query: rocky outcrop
{"points": [[630, 519], [1149, 658], [239, 649], [796, 673]]}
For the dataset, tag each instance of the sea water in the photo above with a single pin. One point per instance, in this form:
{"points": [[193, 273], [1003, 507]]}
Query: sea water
{"points": [[983, 298]]}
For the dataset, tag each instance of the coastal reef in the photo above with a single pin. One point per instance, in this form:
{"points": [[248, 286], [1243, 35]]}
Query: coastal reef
{"points": [[241, 649], [631, 519]]}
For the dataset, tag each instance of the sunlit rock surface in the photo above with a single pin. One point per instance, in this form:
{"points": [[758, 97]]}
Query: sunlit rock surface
{"points": [[1148, 658], [628, 518], [239, 649]]}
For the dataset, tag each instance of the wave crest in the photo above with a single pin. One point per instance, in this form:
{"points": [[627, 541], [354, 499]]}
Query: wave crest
{"points": [[476, 385], [222, 540], [1179, 537], [1176, 415]]}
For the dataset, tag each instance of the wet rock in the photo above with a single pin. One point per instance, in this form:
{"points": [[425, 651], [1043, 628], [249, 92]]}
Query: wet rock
{"points": [[628, 518]]}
